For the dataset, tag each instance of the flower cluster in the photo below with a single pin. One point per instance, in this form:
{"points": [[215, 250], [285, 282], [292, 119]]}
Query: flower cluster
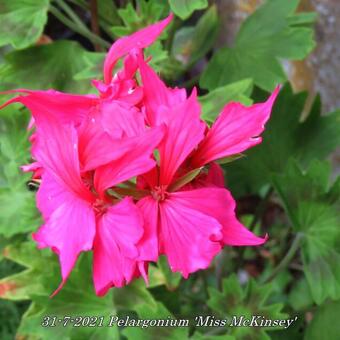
{"points": [[130, 173]]}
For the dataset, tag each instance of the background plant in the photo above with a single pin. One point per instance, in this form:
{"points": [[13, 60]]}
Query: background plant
{"points": [[284, 186]]}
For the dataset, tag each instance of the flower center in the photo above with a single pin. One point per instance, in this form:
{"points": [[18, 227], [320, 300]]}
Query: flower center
{"points": [[99, 206], [159, 193]]}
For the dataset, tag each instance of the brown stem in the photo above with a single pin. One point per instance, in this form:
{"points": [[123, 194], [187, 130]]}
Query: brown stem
{"points": [[94, 22]]}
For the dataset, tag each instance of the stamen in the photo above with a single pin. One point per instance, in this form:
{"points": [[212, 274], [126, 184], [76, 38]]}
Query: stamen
{"points": [[159, 193], [100, 207]]}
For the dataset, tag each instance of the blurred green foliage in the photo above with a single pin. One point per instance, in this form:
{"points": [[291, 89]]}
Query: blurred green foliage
{"points": [[283, 185]]}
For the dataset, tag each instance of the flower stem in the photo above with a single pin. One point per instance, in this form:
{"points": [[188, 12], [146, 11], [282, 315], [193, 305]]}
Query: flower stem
{"points": [[94, 21], [80, 29], [289, 256], [69, 11], [103, 22]]}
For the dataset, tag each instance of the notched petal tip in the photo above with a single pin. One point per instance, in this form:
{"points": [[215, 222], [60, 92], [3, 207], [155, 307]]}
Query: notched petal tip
{"points": [[140, 39]]}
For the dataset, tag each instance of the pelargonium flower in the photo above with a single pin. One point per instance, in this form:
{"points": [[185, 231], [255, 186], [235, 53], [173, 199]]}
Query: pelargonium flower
{"points": [[78, 213], [130, 173], [190, 222]]}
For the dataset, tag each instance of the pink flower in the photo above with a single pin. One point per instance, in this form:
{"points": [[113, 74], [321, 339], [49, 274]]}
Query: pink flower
{"points": [[82, 146], [73, 108], [88, 149], [79, 215], [191, 223]]}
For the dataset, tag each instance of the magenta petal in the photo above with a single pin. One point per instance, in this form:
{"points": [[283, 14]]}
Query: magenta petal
{"points": [[108, 133], [214, 178], [219, 203], [102, 149], [184, 131], [140, 39], [30, 167], [215, 175], [64, 107], [118, 117], [56, 149], [51, 195], [133, 163], [148, 245], [157, 96], [115, 252], [236, 129], [186, 236], [69, 230]]}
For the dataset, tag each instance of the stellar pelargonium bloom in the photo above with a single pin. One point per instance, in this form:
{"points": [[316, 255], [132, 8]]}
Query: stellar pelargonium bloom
{"points": [[130, 173]]}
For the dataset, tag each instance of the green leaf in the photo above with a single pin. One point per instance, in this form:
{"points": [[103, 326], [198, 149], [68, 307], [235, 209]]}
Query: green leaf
{"points": [[235, 300], [313, 207], [77, 297], [159, 57], [266, 36], [93, 68], [10, 319], [300, 297], [23, 285], [147, 313], [148, 13], [133, 296], [199, 336], [213, 102], [46, 66], [184, 8], [107, 11], [18, 213], [172, 280], [325, 323], [192, 43], [284, 137], [294, 332], [302, 18], [22, 21]]}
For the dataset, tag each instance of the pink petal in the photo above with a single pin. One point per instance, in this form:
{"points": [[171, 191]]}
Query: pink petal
{"points": [[51, 195], [30, 123], [56, 149], [64, 107], [148, 245], [215, 176], [140, 39], [184, 131], [158, 97], [115, 251], [33, 167], [69, 230], [236, 129], [120, 116], [117, 118], [219, 204], [148, 180], [101, 149], [103, 135], [134, 162], [186, 236], [124, 85]]}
